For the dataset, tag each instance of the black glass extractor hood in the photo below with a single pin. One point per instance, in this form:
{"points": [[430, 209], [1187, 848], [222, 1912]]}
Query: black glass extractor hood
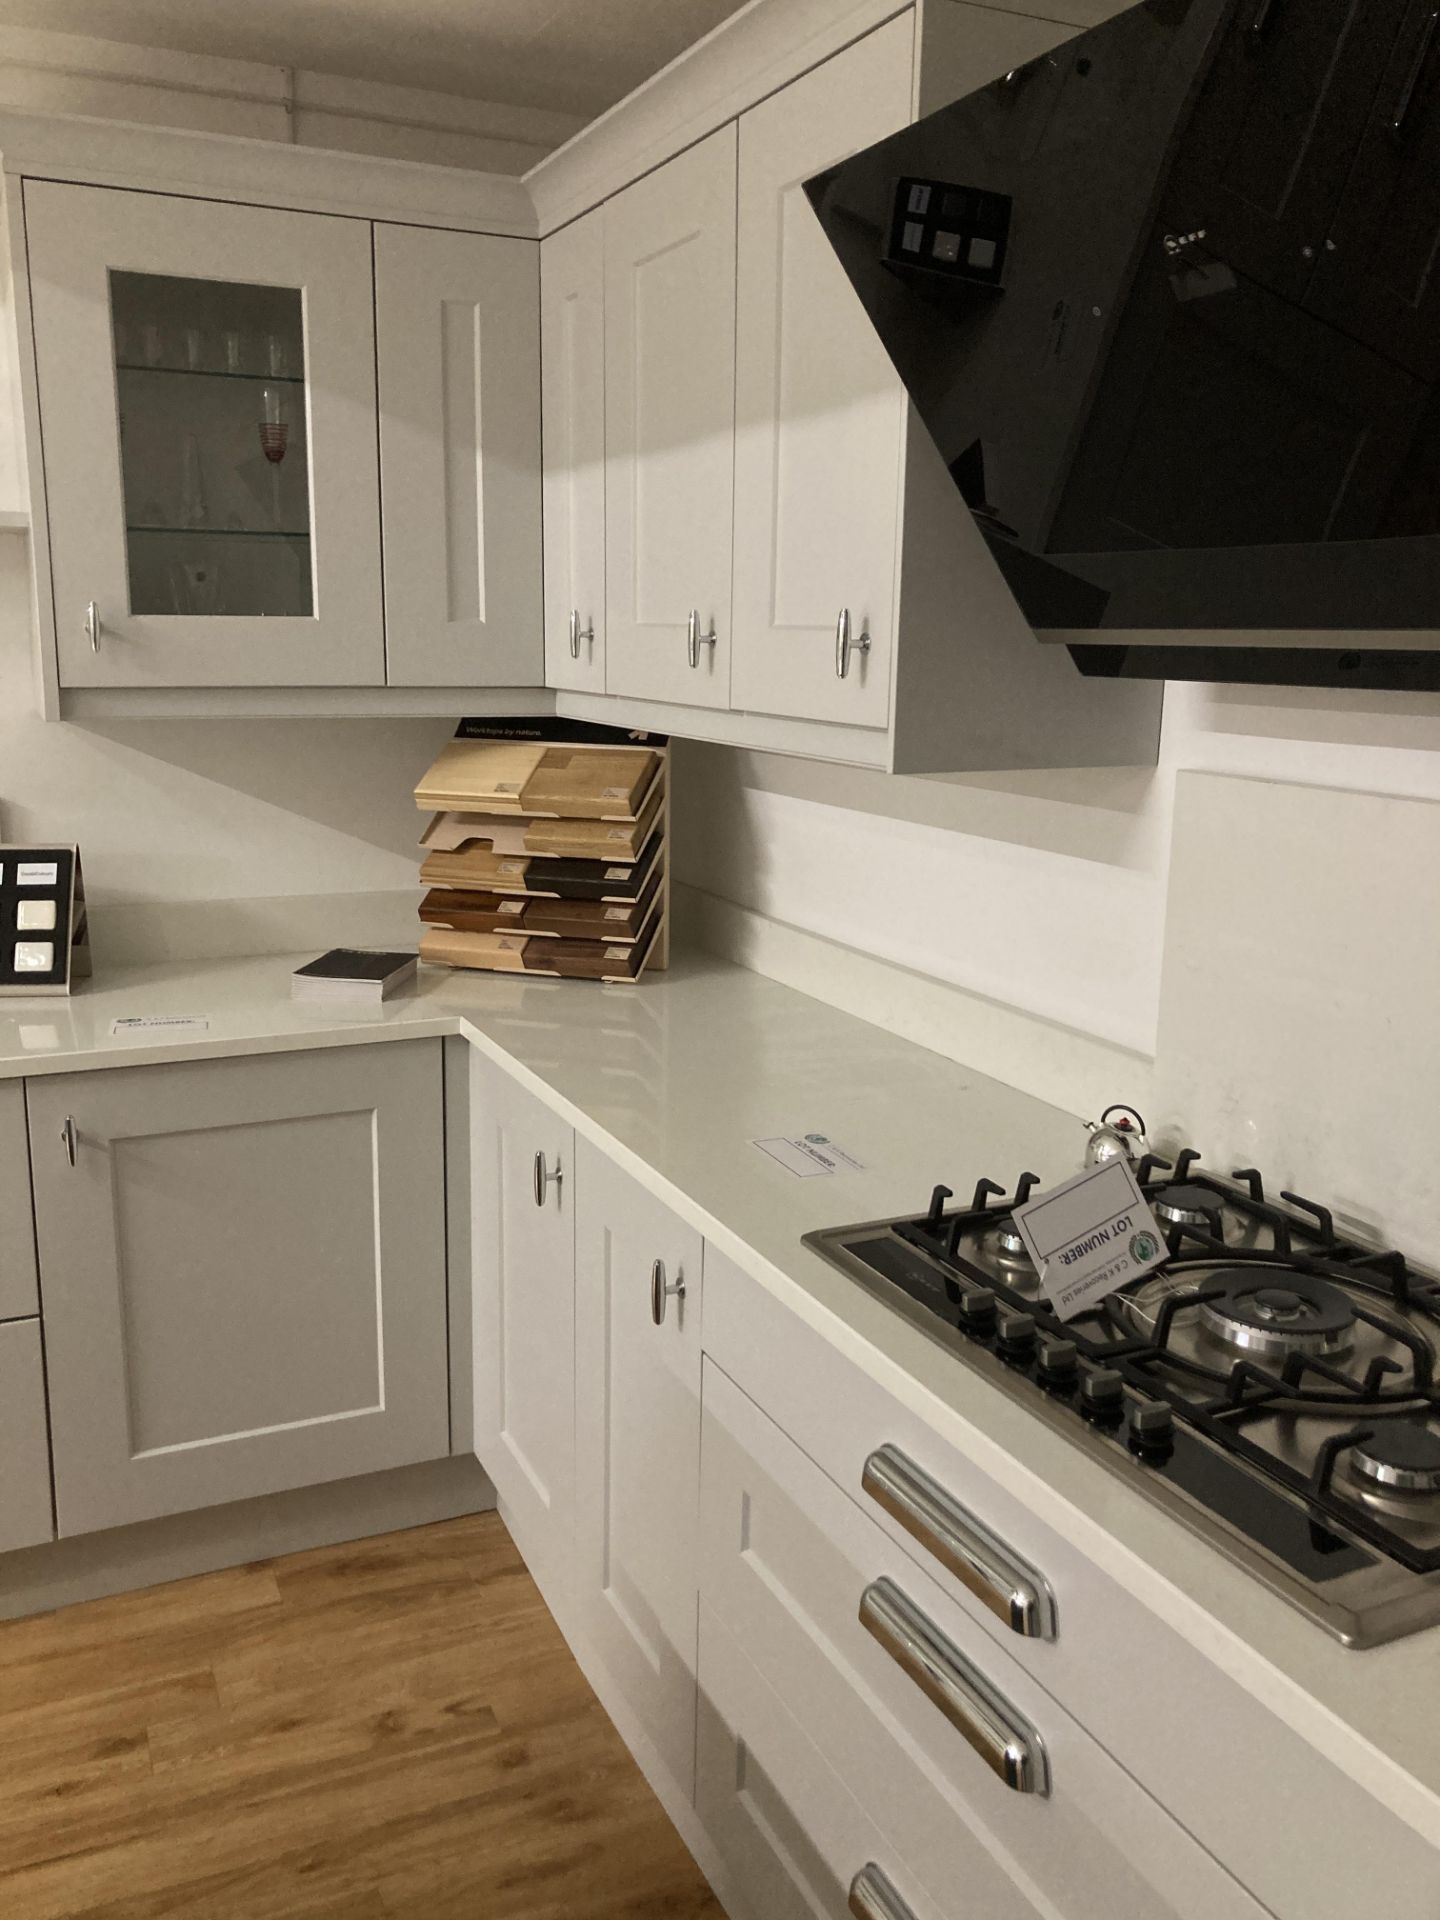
{"points": [[1167, 297]]}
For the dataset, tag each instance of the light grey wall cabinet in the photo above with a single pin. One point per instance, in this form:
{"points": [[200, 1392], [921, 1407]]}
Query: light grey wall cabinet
{"points": [[523, 1179], [26, 1518], [282, 423], [243, 1264], [787, 562], [637, 1451], [17, 1228]]}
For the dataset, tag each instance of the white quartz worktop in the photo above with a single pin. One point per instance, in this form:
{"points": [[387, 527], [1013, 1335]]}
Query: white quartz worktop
{"points": [[676, 1077]]}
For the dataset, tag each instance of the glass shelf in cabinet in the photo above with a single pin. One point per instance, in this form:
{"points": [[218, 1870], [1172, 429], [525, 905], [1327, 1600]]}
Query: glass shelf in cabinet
{"points": [[211, 373], [227, 533]]}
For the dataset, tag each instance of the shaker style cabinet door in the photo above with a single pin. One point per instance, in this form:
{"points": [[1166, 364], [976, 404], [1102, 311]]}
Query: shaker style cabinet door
{"points": [[206, 378], [670, 428], [819, 408], [18, 1294], [523, 1242], [637, 1451], [572, 374], [457, 324], [26, 1516], [243, 1264]]}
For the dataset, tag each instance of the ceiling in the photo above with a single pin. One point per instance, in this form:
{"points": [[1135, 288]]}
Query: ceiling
{"points": [[575, 56]]}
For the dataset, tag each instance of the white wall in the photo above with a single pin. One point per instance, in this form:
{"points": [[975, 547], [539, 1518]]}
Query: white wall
{"points": [[207, 837], [1044, 892]]}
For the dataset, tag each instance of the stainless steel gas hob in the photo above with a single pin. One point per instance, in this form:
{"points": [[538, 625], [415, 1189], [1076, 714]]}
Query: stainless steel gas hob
{"points": [[1272, 1384]]}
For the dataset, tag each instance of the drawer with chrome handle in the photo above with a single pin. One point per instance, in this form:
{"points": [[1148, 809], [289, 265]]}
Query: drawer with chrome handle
{"points": [[905, 1684], [1003, 1738], [795, 1842], [1013, 1591]]}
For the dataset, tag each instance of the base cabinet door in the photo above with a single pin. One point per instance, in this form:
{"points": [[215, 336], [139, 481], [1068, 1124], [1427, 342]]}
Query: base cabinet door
{"points": [[243, 1266], [572, 377], [18, 1294], [637, 1433], [670, 428], [457, 336], [819, 409], [523, 1241], [26, 1516]]}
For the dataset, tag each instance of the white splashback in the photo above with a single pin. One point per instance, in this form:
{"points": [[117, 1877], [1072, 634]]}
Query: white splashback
{"points": [[1300, 996]]}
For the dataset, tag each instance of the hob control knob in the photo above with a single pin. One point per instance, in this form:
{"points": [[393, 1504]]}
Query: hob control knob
{"points": [[977, 1311], [1102, 1394], [1059, 1363], [1152, 1427], [1015, 1336]]}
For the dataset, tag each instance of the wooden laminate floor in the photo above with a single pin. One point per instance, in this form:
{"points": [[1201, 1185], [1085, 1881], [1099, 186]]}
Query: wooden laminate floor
{"points": [[389, 1728]]}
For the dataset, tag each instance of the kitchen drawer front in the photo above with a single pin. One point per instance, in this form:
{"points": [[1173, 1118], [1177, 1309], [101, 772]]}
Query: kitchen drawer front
{"points": [[27, 1518], [1217, 1758], [18, 1292], [792, 1840], [790, 1565]]}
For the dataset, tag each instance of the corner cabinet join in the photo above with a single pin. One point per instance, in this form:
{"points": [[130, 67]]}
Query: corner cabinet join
{"points": [[275, 447], [749, 534]]}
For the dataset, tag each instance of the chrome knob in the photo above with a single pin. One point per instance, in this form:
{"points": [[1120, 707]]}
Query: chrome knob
{"points": [[92, 626], [579, 633], [543, 1177], [845, 644], [873, 1896], [695, 639], [662, 1290]]}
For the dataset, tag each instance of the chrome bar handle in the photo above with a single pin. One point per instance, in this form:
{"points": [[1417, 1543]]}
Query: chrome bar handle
{"points": [[579, 633], [695, 639], [1006, 1742], [1002, 1582], [92, 626], [872, 1897], [661, 1291], [543, 1176], [845, 645], [68, 1137]]}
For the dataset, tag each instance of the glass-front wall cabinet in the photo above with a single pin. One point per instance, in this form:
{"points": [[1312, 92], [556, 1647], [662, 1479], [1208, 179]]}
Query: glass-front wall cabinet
{"points": [[210, 385], [207, 386]]}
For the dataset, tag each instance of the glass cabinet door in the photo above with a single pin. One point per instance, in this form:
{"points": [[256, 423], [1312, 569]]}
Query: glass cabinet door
{"points": [[208, 417]]}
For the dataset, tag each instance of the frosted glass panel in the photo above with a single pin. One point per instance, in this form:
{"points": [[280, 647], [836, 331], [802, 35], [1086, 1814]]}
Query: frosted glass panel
{"points": [[215, 462]]}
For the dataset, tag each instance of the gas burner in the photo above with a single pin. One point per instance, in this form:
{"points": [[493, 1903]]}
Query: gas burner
{"points": [[1400, 1456], [1190, 1206], [1009, 1244], [1273, 1311]]}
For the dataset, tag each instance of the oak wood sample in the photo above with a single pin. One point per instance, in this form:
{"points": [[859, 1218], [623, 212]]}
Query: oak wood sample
{"points": [[563, 959], [454, 832], [486, 775], [597, 783], [479, 869], [468, 911], [529, 777], [391, 1729]]}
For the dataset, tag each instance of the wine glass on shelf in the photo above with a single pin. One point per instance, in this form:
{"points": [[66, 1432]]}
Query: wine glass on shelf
{"points": [[274, 437]]}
